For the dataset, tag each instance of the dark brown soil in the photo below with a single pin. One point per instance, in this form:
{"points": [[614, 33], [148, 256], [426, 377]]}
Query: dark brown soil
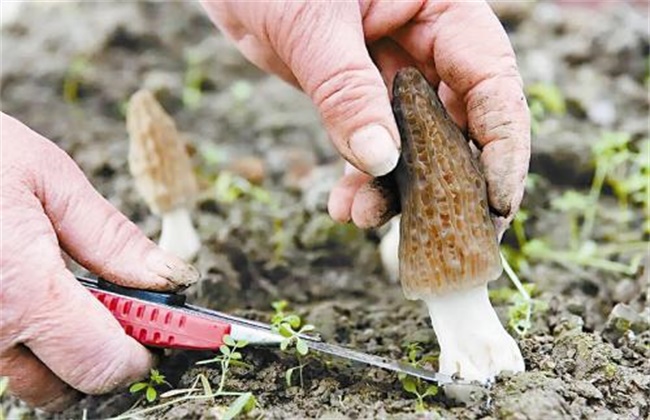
{"points": [[578, 365]]}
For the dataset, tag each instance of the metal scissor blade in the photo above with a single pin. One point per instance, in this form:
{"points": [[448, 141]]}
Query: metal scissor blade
{"points": [[261, 333], [384, 363]]}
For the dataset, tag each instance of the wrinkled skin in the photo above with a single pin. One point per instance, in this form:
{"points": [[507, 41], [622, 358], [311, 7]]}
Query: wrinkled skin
{"points": [[57, 340], [344, 55]]}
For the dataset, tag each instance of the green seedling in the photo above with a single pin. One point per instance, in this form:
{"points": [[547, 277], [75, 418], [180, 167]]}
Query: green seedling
{"points": [[202, 390], [620, 167], [574, 204], [522, 306], [543, 100], [290, 326], [74, 78], [624, 167], [150, 387], [193, 82], [413, 385], [229, 355], [229, 188]]}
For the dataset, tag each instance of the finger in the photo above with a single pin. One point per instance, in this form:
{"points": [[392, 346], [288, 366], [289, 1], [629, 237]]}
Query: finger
{"points": [[96, 234], [490, 86], [68, 317], [32, 382], [454, 105], [258, 51], [47, 310], [326, 51], [342, 195], [375, 203], [389, 57]]}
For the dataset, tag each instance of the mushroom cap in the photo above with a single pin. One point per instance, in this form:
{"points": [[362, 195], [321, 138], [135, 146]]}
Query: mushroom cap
{"points": [[158, 159], [447, 240]]}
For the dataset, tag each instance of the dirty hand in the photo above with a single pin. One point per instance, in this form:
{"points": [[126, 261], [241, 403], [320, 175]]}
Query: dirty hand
{"points": [[56, 339], [344, 54]]}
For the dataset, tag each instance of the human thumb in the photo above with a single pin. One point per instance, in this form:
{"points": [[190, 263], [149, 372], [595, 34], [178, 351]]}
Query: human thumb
{"points": [[326, 52]]}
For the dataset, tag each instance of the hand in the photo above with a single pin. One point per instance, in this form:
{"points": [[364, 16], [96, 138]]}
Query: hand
{"points": [[56, 339], [344, 55]]}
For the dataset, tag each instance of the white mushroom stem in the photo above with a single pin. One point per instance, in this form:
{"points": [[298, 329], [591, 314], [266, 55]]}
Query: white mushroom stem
{"points": [[389, 250], [178, 234], [473, 343]]}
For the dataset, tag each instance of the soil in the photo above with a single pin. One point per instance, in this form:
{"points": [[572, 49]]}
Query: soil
{"points": [[580, 362]]}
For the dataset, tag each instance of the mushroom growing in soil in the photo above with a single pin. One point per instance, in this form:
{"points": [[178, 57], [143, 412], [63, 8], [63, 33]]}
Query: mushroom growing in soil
{"points": [[163, 172], [448, 250]]}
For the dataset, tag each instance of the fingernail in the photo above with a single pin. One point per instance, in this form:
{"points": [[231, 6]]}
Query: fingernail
{"points": [[375, 149], [172, 268]]}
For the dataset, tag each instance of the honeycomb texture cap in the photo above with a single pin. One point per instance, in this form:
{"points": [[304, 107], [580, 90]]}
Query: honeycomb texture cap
{"points": [[447, 240]]}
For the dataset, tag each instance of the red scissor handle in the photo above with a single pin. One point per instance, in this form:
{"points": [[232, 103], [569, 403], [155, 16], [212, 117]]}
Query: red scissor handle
{"points": [[159, 325]]}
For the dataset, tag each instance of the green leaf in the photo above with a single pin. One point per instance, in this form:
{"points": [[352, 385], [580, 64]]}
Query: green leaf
{"points": [[137, 387], [307, 328], [280, 305], [286, 330], [207, 389], [284, 344], [431, 390], [293, 320], [410, 385], [156, 377], [535, 248], [301, 346], [229, 341], [242, 343], [235, 355], [250, 405], [225, 350], [151, 394], [571, 201], [610, 142], [550, 96], [238, 406]]}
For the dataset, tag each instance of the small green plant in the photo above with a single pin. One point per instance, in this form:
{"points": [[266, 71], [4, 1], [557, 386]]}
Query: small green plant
{"points": [[201, 388], [415, 386], [544, 99], [229, 187], [150, 387], [521, 304], [290, 326], [74, 78], [193, 81], [574, 204], [229, 355], [624, 167]]}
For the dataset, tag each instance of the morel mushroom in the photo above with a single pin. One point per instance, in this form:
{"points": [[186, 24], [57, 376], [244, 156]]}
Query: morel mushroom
{"points": [[448, 249], [163, 172]]}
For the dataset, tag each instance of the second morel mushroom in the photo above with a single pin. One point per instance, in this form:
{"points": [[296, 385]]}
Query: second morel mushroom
{"points": [[163, 172], [448, 248]]}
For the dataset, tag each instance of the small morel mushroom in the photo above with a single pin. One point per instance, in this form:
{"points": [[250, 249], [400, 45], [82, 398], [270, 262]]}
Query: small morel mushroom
{"points": [[163, 172], [448, 249]]}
